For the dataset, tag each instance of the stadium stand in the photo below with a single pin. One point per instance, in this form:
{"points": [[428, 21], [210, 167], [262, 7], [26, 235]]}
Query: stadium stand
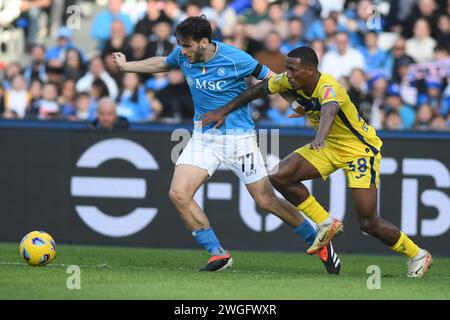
{"points": [[392, 57]]}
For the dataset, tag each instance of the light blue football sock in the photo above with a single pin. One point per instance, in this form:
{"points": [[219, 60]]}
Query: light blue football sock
{"points": [[307, 232], [208, 240]]}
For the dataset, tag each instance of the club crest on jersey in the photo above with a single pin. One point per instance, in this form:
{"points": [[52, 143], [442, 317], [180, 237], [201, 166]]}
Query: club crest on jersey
{"points": [[329, 93], [189, 81], [187, 65], [221, 72]]}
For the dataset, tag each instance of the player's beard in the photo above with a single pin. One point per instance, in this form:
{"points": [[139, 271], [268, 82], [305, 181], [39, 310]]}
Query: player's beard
{"points": [[197, 57]]}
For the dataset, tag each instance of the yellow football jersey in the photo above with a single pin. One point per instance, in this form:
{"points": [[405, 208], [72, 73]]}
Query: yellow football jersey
{"points": [[349, 133]]}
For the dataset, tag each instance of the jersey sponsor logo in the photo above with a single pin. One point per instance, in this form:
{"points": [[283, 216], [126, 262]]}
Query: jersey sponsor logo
{"points": [[221, 72], [329, 93], [206, 84]]}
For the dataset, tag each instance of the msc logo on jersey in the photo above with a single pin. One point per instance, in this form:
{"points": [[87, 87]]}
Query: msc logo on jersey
{"points": [[206, 84], [221, 72]]}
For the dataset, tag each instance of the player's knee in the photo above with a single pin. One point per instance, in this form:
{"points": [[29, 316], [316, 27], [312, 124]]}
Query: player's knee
{"points": [[265, 202], [277, 181], [178, 197], [266, 205], [369, 226]]}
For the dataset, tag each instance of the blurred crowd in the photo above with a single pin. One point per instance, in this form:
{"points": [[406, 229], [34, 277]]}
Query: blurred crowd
{"points": [[391, 56]]}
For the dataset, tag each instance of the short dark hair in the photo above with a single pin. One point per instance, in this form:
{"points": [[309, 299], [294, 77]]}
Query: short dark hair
{"points": [[38, 45], [82, 94], [307, 56], [372, 32], [195, 27], [100, 84], [298, 19]]}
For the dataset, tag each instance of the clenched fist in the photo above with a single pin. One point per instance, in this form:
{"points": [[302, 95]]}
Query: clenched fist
{"points": [[120, 60]]}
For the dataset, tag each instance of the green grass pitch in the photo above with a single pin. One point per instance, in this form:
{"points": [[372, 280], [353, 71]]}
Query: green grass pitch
{"points": [[136, 273]]}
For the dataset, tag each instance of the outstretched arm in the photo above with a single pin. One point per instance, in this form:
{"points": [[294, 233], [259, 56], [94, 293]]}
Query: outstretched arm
{"points": [[150, 65], [257, 91]]}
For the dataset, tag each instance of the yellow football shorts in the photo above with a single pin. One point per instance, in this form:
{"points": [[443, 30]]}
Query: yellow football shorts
{"points": [[361, 171]]}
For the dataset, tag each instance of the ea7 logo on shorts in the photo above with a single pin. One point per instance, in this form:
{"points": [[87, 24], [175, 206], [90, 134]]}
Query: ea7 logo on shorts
{"points": [[250, 173]]}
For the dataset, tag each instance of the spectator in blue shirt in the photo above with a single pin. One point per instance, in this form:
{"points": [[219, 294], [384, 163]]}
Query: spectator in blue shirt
{"points": [[67, 98], [324, 30], [364, 18], [432, 96], [240, 6], [445, 103], [64, 43], [306, 10], [132, 102], [395, 102], [278, 114], [101, 28], [376, 59], [295, 36], [37, 68]]}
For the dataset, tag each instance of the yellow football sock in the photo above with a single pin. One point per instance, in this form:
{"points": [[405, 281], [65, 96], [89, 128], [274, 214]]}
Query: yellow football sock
{"points": [[406, 246], [313, 210]]}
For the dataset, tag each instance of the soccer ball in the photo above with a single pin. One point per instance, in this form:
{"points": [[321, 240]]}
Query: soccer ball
{"points": [[38, 248]]}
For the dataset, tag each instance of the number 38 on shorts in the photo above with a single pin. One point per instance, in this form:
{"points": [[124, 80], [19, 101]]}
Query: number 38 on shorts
{"points": [[363, 172]]}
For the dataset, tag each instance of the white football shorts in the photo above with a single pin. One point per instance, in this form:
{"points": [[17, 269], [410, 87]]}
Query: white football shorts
{"points": [[240, 153]]}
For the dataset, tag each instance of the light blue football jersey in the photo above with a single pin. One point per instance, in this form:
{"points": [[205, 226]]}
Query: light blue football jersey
{"points": [[216, 82]]}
